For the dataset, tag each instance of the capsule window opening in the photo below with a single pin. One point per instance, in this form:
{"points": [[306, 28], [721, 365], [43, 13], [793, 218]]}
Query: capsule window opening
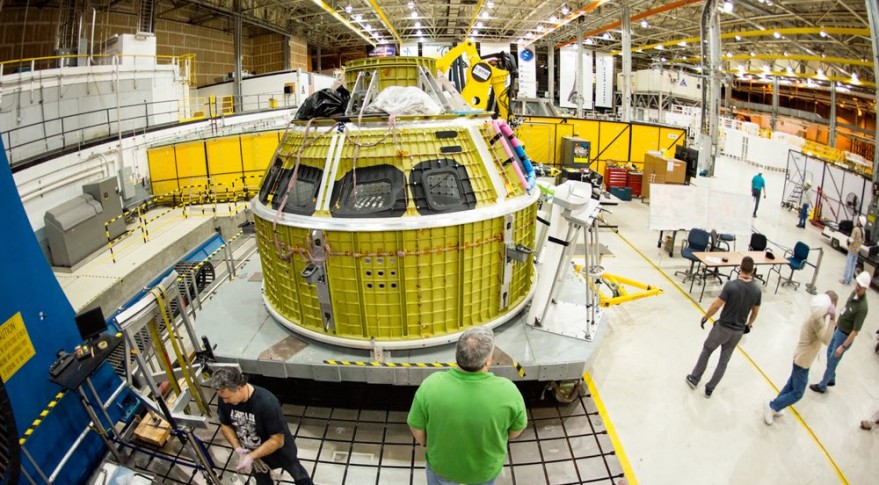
{"points": [[377, 191], [440, 186]]}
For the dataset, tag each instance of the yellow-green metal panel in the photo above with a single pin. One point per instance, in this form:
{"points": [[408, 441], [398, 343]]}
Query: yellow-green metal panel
{"points": [[613, 143], [524, 233], [163, 169], [498, 156], [645, 138], [224, 165], [669, 138], [191, 165], [482, 269], [377, 148]]}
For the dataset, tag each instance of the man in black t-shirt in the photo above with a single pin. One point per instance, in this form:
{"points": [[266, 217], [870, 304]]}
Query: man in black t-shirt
{"points": [[252, 422], [740, 299]]}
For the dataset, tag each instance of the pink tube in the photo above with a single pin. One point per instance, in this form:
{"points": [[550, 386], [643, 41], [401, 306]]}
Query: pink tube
{"points": [[508, 132], [510, 153]]}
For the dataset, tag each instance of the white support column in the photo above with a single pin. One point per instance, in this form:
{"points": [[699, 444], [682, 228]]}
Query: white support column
{"points": [[550, 54], [237, 39], [581, 83], [831, 130], [773, 120], [626, 88]]}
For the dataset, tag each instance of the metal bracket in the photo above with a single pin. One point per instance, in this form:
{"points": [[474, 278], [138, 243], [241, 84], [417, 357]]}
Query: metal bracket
{"points": [[509, 219], [316, 274]]}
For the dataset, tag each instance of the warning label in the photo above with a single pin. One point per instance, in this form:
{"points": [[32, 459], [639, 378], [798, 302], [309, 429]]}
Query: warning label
{"points": [[15, 346]]}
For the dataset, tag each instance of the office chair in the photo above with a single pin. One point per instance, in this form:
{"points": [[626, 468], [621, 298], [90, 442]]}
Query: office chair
{"points": [[697, 241], [725, 239], [758, 242], [796, 260]]}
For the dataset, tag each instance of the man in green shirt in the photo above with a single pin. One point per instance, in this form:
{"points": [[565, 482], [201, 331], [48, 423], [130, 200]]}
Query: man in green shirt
{"points": [[847, 327], [464, 417]]}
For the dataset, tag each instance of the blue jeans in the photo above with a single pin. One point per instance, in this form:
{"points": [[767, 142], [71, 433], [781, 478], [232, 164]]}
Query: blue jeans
{"points": [[832, 360], [793, 390], [434, 479], [804, 214], [851, 260]]}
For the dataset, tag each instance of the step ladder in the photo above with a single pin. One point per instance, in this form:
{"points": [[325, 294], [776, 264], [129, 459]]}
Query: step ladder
{"points": [[793, 199]]}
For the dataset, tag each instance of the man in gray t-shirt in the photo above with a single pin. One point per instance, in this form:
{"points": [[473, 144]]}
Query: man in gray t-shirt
{"points": [[740, 299]]}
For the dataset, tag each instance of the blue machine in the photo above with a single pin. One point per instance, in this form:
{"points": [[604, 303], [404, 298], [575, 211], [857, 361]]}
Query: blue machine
{"points": [[36, 320]]}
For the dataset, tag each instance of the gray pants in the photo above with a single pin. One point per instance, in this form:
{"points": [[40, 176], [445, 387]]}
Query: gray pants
{"points": [[726, 339]]}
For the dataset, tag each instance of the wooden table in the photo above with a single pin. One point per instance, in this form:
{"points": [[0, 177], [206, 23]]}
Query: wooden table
{"points": [[732, 259]]}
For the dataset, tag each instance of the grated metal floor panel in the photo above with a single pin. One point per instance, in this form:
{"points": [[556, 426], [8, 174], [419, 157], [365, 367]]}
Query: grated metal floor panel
{"points": [[368, 442]]}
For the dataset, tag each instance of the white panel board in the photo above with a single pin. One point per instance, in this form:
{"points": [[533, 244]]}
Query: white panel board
{"points": [[569, 82], [603, 80], [527, 71], [486, 48], [687, 207]]}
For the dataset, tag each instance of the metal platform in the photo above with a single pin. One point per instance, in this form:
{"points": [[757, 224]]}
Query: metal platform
{"points": [[237, 322]]}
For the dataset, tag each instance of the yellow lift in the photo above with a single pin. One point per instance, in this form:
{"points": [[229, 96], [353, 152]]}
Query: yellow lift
{"points": [[617, 286]]}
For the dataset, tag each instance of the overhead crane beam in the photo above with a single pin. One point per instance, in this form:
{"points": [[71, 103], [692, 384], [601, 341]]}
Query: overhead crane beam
{"points": [[340, 18], [634, 18], [384, 19], [573, 15], [759, 72], [473, 20]]}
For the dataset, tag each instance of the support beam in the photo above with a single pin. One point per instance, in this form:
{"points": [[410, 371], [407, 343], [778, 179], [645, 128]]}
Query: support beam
{"points": [[581, 83], [773, 120], [831, 132], [710, 48], [236, 41], [873, 211], [550, 53], [626, 88]]}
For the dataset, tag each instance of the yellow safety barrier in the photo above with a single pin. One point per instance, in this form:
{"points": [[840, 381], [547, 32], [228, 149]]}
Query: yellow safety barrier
{"points": [[519, 369]]}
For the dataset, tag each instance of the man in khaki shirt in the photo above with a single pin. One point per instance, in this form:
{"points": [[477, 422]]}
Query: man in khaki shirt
{"points": [[815, 331], [854, 246]]}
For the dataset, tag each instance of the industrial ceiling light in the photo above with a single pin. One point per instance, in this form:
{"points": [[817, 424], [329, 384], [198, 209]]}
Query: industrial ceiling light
{"points": [[411, 5], [539, 27], [682, 43], [475, 33], [662, 59], [490, 4], [484, 14], [855, 79], [790, 71], [565, 10], [776, 34], [553, 19], [480, 25], [823, 34], [520, 40], [728, 7], [418, 33], [644, 24], [820, 74], [528, 35], [753, 53], [660, 47], [607, 36], [738, 37], [418, 25], [729, 54], [348, 9], [367, 27], [589, 41], [414, 14], [358, 18]]}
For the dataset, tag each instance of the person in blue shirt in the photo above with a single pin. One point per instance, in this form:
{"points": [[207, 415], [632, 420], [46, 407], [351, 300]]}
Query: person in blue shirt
{"points": [[757, 185]]}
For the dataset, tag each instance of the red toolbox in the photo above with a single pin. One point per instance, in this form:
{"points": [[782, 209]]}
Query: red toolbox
{"points": [[616, 177], [635, 179]]}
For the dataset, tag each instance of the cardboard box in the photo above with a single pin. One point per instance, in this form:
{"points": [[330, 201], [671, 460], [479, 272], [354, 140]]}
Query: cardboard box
{"points": [[676, 172]]}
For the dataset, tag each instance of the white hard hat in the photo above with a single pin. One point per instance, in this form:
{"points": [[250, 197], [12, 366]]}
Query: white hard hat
{"points": [[820, 302], [807, 183], [862, 220], [863, 279]]}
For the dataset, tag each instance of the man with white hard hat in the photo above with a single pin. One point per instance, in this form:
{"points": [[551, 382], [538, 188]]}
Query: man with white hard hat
{"points": [[848, 325], [854, 246]]}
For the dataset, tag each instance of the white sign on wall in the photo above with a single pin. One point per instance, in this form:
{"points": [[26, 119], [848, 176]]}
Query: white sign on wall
{"points": [[486, 48], [434, 50], [603, 80], [527, 72], [409, 49], [568, 80]]}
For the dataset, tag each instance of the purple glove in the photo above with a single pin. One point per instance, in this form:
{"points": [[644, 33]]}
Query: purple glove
{"points": [[832, 311], [245, 463], [241, 452]]}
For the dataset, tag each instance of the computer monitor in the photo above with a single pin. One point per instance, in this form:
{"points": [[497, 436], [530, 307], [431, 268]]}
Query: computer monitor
{"points": [[91, 323]]}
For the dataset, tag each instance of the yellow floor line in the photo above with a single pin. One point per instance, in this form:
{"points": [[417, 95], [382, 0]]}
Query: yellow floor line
{"points": [[742, 351], [611, 431]]}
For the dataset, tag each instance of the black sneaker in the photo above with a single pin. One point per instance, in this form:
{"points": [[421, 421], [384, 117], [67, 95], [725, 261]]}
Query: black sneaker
{"points": [[817, 388], [831, 383], [708, 392], [692, 382]]}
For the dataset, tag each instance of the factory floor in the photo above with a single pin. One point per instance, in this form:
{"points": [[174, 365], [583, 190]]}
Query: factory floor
{"points": [[651, 426]]}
